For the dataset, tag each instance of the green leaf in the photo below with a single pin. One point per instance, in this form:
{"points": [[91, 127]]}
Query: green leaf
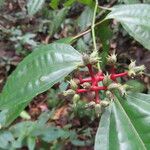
{"points": [[57, 21], [146, 1], [67, 40], [125, 124], [85, 19], [135, 19], [5, 138], [31, 143], [130, 1], [39, 71], [69, 2], [135, 86], [105, 34], [86, 2], [54, 4], [33, 6]]}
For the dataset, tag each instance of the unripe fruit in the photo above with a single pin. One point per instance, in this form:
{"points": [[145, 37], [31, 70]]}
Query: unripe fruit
{"points": [[105, 103], [94, 59], [86, 59], [112, 59], [98, 109], [86, 85], [73, 84], [119, 87], [109, 95], [133, 69], [90, 105], [107, 81], [76, 97], [69, 92]]}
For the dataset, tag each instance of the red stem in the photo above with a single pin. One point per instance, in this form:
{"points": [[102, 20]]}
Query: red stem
{"points": [[85, 80], [97, 98], [91, 72], [93, 88], [114, 76]]}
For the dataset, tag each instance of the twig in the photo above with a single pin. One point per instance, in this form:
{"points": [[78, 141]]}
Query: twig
{"points": [[93, 26], [88, 30]]}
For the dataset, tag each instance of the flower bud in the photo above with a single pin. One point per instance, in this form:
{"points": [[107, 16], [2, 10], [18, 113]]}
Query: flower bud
{"points": [[90, 105], [112, 59], [106, 81], [98, 109], [76, 97], [109, 95], [119, 87], [94, 59], [69, 92], [86, 85], [114, 86], [73, 84], [133, 69], [105, 103], [86, 59]]}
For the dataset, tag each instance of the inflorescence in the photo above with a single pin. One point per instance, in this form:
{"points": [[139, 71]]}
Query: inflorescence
{"points": [[109, 81]]}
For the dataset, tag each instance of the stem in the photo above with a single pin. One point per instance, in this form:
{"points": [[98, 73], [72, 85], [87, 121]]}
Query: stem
{"points": [[93, 30], [93, 88], [86, 80], [91, 72], [114, 76], [93, 26]]}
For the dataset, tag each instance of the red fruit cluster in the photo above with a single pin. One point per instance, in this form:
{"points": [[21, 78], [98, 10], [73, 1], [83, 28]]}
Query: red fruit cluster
{"points": [[95, 78]]}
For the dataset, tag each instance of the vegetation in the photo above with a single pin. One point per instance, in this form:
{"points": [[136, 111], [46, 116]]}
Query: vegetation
{"points": [[73, 70]]}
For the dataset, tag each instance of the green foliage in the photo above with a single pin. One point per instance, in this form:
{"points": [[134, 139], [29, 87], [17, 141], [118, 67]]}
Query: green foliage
{"points": [[58, 18], [105, 34], [34, 6], [125, 124], [86, 18], [130, 1], [54, 4], [136, 23], [26, 133], [135, 86], [47, 65]]}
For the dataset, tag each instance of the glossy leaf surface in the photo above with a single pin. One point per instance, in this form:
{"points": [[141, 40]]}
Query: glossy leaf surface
{"points": [[135, 19], [34, 6], [86, 18], [130, 1], [40, 70], [125, 125]]}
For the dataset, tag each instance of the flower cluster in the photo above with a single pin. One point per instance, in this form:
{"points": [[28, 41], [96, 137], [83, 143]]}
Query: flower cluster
{"points": [[109, 81]]}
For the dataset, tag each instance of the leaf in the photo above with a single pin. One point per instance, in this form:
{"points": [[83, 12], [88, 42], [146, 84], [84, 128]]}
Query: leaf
{"points": [[67, 40], [125, 125], [130, 1], [135, 86], [57, 21], [33, 6], [31, 143], [86, 18], [39, 71], [135, 19], [146, 1], [8, 115], [69, 2], [87, 2], [54, 4], [105, 34], [5, 139]]}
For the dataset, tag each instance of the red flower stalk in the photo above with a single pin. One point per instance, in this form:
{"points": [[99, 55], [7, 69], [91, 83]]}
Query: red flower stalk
{"points": [[94, 79]]}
